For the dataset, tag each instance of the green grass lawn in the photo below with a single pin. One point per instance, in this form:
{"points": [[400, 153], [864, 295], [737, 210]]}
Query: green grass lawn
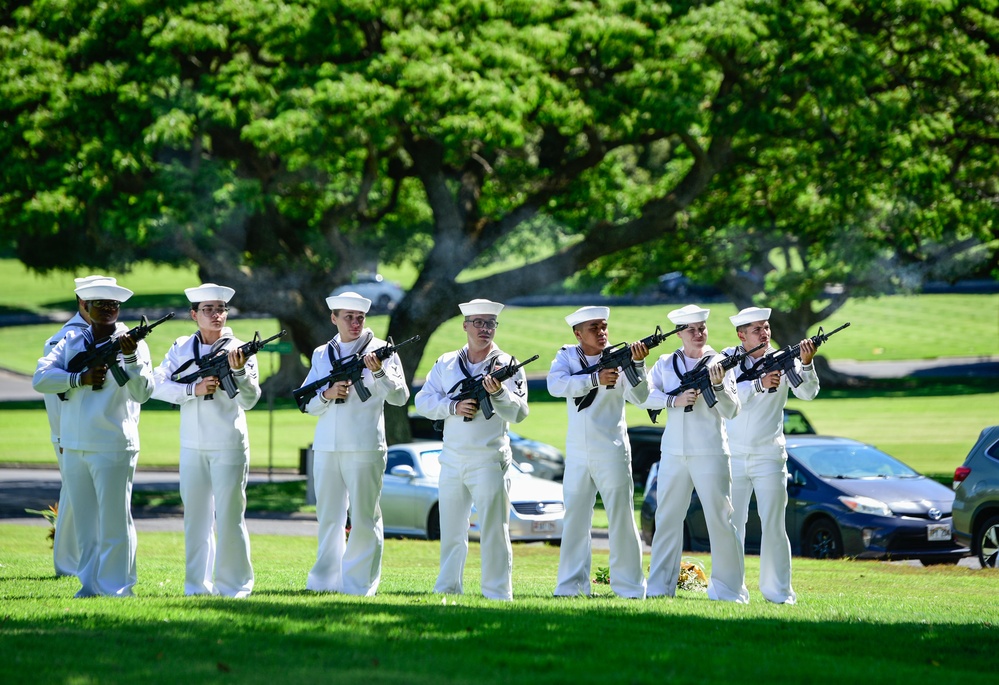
{"points": [[928, 424], [889, 328], [855, 622], [930, 431]]}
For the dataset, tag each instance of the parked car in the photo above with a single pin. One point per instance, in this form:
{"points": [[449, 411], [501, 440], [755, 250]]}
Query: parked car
{"points": [[976, 499], [849, 499], [676, 286], [547, 461], [410, 497], [384, 295], [645, 442]]}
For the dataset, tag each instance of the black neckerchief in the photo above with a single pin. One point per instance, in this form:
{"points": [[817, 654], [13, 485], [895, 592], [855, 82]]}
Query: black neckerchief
{"points": [[333, 347], [490, 361], [587, 399], [196, 351]]}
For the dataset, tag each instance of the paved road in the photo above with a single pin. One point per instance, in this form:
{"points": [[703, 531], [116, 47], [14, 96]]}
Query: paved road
{"points": [[37, 488]]}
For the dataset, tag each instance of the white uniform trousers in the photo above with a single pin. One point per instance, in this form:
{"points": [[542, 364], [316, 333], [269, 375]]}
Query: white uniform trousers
{"points": [[65, 548], [216, 541], [348, 479], [100, 493], [767, 475], [711, 476], [584, 477], [484, 483]]}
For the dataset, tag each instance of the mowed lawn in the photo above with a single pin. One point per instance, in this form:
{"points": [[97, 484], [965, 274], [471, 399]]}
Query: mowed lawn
{"points": [[930, 425], [855, 622]]}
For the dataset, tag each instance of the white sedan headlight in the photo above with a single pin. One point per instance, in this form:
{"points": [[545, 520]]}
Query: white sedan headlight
{"points": [[866, 505]]}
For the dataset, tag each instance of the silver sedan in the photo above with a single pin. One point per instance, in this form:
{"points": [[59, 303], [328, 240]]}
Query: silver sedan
{"points": [[409, 497]]}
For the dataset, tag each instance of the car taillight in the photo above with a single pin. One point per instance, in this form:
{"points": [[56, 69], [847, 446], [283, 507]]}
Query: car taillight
{"points": [[960, 473]]}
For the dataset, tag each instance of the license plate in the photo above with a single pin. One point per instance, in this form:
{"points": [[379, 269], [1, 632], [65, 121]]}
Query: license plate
{"points": [[938, 532], [543, 526]]}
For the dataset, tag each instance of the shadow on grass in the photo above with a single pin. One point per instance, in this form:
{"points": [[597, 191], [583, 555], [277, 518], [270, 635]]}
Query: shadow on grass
{"points": [[279, 497], [430, 639], [913, 387]]}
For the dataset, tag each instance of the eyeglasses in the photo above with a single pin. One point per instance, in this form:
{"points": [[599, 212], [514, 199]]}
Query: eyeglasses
{"points": [[106, 304], [488, 324], [212, 311]]}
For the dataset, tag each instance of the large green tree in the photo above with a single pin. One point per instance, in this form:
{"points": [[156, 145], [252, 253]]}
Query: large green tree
{"points": [[278, 145]]}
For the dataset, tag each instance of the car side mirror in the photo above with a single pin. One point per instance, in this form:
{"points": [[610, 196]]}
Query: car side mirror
{"points": [[794, 478], [403, 471]]}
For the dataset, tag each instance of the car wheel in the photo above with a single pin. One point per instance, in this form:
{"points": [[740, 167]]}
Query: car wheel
{"points": [[988, 543], [384, 302], [823, 541], [434, 524]]}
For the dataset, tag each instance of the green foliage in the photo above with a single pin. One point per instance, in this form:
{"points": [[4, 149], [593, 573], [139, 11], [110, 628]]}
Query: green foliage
{"points": [[282, 145]]}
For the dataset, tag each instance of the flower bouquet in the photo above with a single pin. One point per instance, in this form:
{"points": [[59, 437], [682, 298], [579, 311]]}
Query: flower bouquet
{"points": [[50, 515], [692, 576]]}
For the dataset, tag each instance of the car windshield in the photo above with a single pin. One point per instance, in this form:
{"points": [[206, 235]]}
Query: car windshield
{"points": [[851, 461], [430, 461]]}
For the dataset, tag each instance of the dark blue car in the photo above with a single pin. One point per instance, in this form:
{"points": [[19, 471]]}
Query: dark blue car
{"points": [[848, 499]]}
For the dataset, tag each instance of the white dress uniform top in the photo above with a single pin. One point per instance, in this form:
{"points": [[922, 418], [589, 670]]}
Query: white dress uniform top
{"points": [[759, 462], [474, 463], [214, 461], [349, 461], [99, 435], [598, 459], [695, 454]]}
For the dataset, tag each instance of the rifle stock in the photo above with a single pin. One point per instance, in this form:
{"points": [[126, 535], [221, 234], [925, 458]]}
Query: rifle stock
{"points": [[107, 354], [350, 368], [783, 360], [472, 388], [619, 356], [699, 379], [218, 365]]}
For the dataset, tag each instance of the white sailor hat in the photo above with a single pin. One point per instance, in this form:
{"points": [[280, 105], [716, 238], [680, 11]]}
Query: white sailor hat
{"points": [[480, 307], [209, 292], [103, 290], [87, 280], [689, 314], [749, 315], [587, 314], [349, 300]]}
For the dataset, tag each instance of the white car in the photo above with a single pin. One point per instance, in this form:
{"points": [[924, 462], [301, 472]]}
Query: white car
{"points": [[409, 497], [384, 295]]}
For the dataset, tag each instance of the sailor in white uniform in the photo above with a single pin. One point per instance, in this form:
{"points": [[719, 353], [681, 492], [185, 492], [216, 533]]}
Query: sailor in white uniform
{"points": [[349, 451], [214, 447], [695, 455], [476, 453], [759, 460], [65, 550], [598, 457], [99, 435]]}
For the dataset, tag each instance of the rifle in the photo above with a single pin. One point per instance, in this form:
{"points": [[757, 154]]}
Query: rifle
{"points": [[699, 379], [472, 389], [619, 356], [217, 364], [106, 354], [349, 368], [783, 360]]}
